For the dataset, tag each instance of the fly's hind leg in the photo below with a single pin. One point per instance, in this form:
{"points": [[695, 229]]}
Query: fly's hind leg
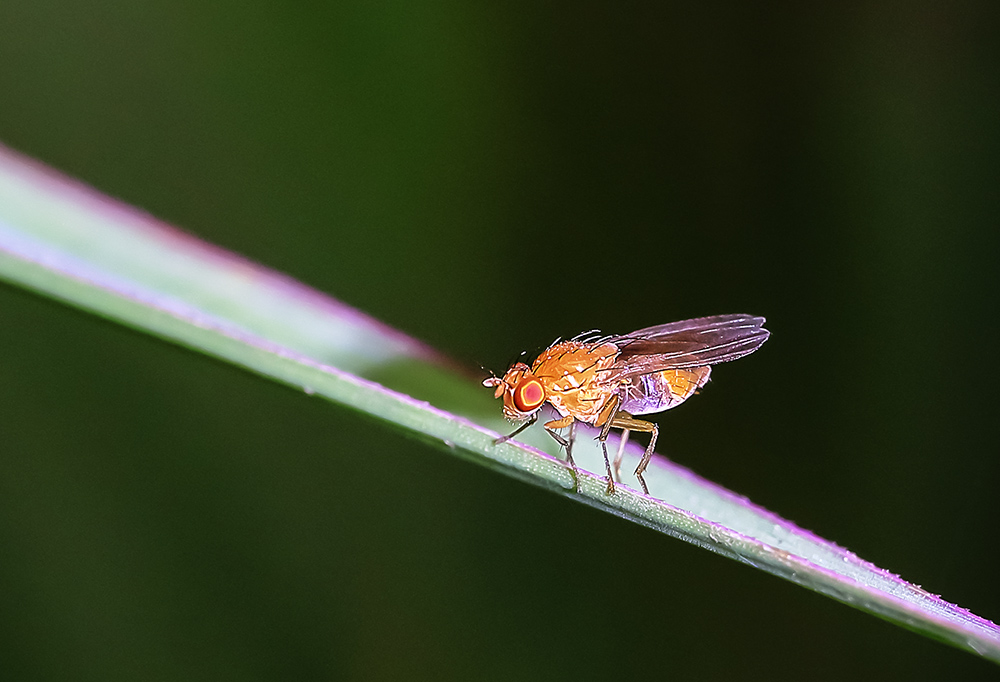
{"points": [[566, 442], [626, 422]]}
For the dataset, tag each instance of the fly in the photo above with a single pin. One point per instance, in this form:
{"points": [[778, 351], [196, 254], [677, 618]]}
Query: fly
{"points": [[609, 380]]}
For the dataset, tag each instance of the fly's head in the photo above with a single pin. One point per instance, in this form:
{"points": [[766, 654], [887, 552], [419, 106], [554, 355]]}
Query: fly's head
{"points": [[521, 391]]}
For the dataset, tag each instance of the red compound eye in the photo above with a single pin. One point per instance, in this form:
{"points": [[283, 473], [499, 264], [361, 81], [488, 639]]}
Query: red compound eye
{"points": [[529, 395]]}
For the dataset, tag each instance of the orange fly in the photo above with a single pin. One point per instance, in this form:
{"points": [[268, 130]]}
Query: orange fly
{"points": [[607, 381]]}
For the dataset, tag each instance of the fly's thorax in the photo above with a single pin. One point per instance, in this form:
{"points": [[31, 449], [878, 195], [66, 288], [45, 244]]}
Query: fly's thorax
{"points": [[571, 373], [574, 357]]}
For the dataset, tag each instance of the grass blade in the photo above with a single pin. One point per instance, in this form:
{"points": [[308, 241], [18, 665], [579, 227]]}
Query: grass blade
{"points": [[65, 241]]}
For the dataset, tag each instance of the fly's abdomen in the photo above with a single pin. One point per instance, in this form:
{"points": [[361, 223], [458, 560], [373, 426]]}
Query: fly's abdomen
{"points": [[660, 391]]}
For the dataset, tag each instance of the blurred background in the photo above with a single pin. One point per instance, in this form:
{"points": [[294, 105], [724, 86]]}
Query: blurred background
{"points": [[486, 179]]}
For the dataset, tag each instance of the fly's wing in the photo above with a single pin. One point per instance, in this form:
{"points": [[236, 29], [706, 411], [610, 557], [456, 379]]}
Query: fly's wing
{"points": [[686, 344]]}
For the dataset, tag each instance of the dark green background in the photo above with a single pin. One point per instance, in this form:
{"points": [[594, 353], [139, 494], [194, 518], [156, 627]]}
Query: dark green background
{"points": [[486, 177]]}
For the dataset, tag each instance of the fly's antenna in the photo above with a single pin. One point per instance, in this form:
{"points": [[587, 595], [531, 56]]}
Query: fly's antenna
{"points": [[492, 381]]}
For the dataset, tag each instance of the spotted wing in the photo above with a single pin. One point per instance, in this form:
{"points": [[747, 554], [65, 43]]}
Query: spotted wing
{"points": [[686, 344]]}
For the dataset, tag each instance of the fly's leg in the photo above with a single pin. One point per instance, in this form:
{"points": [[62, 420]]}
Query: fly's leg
{"points": [[625, 421], [605, 419], [550, 429], [610, 490], [567, 442], [621, 453], [519, 429]]}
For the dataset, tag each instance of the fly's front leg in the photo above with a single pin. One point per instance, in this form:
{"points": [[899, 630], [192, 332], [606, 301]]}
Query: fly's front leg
{"points": [[550, 428], [519, 429], [626, 422]]}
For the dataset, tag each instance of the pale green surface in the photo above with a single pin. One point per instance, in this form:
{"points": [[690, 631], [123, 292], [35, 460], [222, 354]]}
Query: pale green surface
{"points": [[68, 243]]}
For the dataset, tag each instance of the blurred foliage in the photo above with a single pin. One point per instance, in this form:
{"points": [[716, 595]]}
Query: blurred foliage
{"points": [[487, 178]]}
